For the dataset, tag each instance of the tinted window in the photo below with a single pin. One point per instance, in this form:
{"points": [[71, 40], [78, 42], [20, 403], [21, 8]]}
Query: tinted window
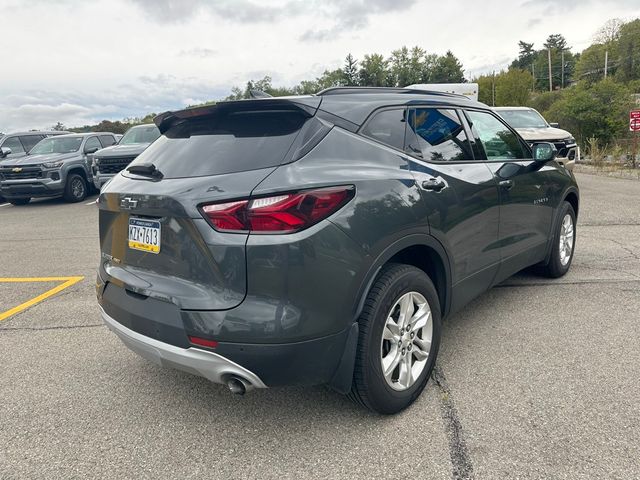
{"points": [[387, 127], [498, 141], [107, 140], [93, 142], [224, 143], [29, 141], [141, 134], [437, 135], [14, 144]]}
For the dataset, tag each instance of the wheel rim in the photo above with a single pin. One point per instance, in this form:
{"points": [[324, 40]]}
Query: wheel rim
{"points": [[566, 240], [77, 188], [406, 341]]}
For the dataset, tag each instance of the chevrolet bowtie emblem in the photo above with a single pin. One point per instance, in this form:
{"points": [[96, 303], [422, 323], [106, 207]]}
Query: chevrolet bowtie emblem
{"points": [[128, 203], [16, 170]]}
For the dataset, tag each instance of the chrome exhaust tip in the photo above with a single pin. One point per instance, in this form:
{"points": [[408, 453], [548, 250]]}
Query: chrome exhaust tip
{"points": [[237, 385]]}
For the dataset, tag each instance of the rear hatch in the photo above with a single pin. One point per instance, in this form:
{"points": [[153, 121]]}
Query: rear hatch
{"points": [[154, 240]]}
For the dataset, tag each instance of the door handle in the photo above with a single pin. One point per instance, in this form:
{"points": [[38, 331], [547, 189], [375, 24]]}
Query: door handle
{"points": [[506, 184], [433, 183]]}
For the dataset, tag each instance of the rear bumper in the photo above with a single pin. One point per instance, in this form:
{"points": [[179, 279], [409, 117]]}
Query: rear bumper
{"points": [[156, 330], [212, 366]]}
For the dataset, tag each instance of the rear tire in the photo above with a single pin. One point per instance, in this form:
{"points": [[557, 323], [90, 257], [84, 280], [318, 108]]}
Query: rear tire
{"points": [[20, 201], [76, 188], [408, 357], [564, 242]]}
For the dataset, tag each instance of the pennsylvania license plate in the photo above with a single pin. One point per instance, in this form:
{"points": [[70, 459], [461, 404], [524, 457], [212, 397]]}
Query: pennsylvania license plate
{"points": [[144, 235]]}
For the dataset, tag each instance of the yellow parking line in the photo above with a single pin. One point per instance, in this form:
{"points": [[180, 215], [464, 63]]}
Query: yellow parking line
{"points": [[67, 282]]}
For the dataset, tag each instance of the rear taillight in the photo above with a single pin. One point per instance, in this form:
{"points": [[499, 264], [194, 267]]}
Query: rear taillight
{"points": [[203, 342], [284, 213]]}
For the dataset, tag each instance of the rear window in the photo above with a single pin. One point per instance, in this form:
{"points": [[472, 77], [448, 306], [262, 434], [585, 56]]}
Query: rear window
{"points": [[224, 143]]}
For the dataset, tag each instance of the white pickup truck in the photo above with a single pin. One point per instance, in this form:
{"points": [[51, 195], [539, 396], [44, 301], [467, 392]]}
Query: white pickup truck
{"points": [[534, 128]]}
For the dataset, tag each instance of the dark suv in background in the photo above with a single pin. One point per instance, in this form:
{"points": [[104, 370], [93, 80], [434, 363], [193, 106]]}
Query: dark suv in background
{"points": [[322, 239], [17, 144], [106, 163], [56, 167]]}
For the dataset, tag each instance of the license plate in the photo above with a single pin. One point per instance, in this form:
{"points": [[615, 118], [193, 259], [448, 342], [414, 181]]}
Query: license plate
{"points": [[144, 235]]}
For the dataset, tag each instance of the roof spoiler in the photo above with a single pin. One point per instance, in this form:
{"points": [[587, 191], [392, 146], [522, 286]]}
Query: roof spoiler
{"points": [[308, 105]]}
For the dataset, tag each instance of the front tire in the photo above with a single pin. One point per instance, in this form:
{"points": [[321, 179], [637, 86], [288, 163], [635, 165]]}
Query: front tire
{"points": [[564, 242], [398, 341], [76, 188]]}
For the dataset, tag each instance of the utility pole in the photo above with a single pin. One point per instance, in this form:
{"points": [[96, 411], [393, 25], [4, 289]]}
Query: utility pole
{"points": [[533, 72], [550, 80], [493, 90], [562, 61], [606, 62]]}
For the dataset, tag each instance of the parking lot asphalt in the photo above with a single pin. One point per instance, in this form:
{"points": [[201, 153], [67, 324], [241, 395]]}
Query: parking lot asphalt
{"points": [[536, 378]]}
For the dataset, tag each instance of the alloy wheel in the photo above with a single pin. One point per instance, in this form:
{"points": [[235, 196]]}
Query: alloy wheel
{"points": [[406, 341], [566, 240]]}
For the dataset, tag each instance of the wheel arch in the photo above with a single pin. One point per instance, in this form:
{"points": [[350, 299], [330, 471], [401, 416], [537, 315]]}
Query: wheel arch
{"points": [[79, 170], [421, 251], [572, 197]]}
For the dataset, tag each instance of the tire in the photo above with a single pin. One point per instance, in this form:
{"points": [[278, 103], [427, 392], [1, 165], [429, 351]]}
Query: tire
{"points": [[19, 201], [395, 283], [561, 258], [75, 189]]}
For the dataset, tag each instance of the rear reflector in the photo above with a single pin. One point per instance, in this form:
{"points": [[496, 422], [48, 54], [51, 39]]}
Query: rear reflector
{"points": [[284, 213], [203, 342]]}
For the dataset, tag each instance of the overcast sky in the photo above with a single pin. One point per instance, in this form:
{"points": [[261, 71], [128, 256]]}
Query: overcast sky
{"points": [[79, 62]]}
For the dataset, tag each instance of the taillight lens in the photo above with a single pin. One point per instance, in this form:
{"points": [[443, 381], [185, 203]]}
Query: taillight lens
{"points": [[285, 213]]}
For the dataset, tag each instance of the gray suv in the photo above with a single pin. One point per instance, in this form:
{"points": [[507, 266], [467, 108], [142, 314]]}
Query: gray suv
{"points": [[56, 166], [17, 144], [322, 239], [109, 161]]}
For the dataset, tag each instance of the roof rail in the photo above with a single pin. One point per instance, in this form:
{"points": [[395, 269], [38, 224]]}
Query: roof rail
{"points": [[347, 90]]}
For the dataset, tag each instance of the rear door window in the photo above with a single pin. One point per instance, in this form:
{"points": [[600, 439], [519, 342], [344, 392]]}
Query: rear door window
{"points": [[107, 140], [437, 135], [387, 127], [498, 141], [224, 142]]}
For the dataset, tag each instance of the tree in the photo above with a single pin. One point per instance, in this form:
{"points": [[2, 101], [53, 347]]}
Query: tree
{"points": [[373, 71], [58, 127], [330, 78], [526, 57], [513, 88], [629, 52], [609, 32], [400, 73], [600, 110], [350, 71], [447, 69], [590, 66], [556, 41], [485, 88]]}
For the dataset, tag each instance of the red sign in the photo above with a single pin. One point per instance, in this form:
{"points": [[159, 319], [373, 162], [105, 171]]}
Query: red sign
{"points": [[634, 120]]}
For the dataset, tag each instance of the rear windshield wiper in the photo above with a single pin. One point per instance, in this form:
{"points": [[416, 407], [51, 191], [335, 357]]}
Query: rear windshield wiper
{"points": [[147, 169]]}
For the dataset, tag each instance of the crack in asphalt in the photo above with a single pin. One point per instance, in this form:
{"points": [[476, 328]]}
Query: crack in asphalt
{"points": [[59, 327], [605, 224], [460, 458], [625, 248], [577, 282]]}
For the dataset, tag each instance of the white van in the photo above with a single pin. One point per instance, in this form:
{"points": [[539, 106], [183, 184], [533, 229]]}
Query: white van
{"points": [[469, 90]]}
